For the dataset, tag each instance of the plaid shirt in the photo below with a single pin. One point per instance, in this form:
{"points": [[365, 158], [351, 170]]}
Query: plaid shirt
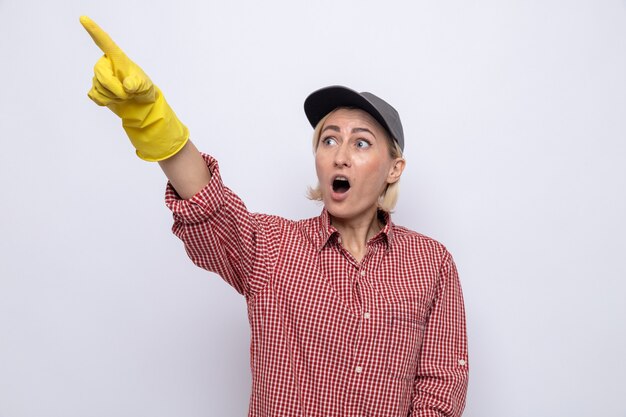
{"points": [[332, 336]]}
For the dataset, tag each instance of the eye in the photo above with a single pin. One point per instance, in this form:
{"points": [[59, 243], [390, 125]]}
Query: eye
{"points": [[363, 144], [329, 141]]}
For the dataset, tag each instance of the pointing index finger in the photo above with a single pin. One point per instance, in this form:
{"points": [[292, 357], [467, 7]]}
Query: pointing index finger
{"points": [[101, 38]]}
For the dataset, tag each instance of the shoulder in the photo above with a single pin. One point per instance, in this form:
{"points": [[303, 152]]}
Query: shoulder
{"points": [[272, 220], [409, 240], [287, 225], [291, 235], [310, 223]]}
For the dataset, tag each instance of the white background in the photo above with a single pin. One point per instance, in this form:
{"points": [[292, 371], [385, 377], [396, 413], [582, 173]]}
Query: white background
{"points": [[515, 123]]}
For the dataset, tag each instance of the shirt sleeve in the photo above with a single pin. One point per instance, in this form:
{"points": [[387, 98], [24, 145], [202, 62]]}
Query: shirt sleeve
{"points": [[221, 236], [442, 375]]}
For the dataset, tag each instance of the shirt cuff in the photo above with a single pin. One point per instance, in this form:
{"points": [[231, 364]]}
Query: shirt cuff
{"points": [[204, 203]]}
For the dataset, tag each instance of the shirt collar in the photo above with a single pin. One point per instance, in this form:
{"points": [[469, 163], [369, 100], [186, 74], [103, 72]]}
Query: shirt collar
{"points": [[327, 233]]}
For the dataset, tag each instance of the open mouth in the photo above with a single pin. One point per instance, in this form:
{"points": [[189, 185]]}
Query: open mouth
{"points": [[341, 185]]}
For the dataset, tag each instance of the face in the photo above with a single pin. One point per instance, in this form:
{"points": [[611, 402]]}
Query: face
{"points": [[353, 164]]}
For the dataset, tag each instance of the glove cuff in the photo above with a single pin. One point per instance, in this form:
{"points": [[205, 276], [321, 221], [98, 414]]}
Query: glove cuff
{"points": [[157, 134]]}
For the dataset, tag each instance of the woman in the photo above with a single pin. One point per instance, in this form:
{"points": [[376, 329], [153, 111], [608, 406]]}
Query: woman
{"points": [[350, 314]]}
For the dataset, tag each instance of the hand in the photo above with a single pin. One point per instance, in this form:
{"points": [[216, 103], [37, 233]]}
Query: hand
{"points": [[123, 87], [117, 78]]}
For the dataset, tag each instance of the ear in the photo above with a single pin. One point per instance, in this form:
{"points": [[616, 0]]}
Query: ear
{"points": [[395, 171]]}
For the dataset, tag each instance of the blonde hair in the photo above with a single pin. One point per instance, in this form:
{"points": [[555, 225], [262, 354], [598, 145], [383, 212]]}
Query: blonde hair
{"points": [[389, 197]]}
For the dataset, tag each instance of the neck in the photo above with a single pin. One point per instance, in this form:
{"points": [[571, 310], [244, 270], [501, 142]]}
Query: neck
{"points": [[356, 232]]}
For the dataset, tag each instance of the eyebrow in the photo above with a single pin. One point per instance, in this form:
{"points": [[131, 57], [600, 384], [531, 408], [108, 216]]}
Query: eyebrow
{"points": [[355, 130]]}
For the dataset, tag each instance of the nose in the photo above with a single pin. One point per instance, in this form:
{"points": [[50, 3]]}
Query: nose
{"points": [[342, 157]]}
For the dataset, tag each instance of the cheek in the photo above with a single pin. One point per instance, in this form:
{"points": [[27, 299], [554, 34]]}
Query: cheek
{"points": [[320, 164], [375, 169]]}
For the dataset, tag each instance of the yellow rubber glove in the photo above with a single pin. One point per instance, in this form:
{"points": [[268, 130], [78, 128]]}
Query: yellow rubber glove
{"points": [[119, 83]]}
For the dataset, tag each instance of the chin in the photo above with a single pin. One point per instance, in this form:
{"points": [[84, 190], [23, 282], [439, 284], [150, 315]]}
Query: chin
{"points": [[341, 211], [345, 211]]}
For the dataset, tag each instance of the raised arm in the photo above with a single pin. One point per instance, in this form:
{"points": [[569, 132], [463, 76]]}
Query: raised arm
{"points": [[150, 123]]}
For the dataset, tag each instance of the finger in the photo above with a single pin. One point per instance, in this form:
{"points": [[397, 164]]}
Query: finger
{"points": [[103, 91], [98, 98], [103, 71], [102, 39]]}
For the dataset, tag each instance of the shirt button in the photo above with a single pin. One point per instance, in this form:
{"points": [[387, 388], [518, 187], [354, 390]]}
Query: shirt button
{"points": [[366, 315], [358, 369], [362, 273], [462, 362]]}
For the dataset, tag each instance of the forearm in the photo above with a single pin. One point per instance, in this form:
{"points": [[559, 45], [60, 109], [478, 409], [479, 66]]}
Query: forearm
{"points": [[187, 171]]}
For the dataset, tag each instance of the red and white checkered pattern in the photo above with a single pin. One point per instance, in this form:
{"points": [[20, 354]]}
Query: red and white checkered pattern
{"points": [[332, 336]]}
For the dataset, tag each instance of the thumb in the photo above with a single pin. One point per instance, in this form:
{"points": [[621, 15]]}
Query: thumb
{"points": [[136, 85], [140, 87]]}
